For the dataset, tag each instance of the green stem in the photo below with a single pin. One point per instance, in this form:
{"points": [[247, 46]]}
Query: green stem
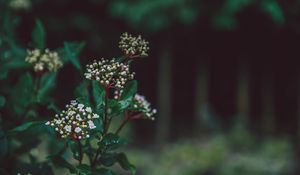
{"points": [[106, 122], [80, 152], [123, 123], [37, 86], [106, 119], [96, 157]]}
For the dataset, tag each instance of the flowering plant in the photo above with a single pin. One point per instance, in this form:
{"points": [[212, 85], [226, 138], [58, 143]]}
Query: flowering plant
{"points": [[80, 125]]}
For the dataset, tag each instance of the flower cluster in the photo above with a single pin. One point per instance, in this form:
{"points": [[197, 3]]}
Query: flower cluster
{"points": [[140, 104], [42, 60], [109, 73], [20, 4], [75, 122], [133, 46]]}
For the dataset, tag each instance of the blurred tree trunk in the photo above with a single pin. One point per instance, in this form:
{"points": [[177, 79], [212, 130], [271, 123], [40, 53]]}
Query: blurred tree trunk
{"points": [[243, 95], [201, 97], [164, 97], [268, 114], [298, 110]]}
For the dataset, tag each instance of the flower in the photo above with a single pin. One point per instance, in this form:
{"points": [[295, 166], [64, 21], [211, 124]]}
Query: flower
{"points": [[109, 73], [140, 104], [74, 122], [42, 60], [20, 4], [133, 46]]}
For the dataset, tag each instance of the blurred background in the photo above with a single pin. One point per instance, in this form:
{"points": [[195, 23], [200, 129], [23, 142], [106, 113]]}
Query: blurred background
{"points": [[223, 74]]}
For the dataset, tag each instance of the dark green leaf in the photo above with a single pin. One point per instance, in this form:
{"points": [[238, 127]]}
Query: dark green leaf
{"points": [[47, 83], [2, 101], [84, 169], [15, 63], [25, 127], [125, 164], [112, 141], [22, 94], [115, 108], [27, 145], [108, 159], [104, 171], [75, 148], [98, 94], [129, 91], [72, 51], [3, 74], [61, 162], [82, 93], [128, 94], [39, 35], [54, 108]]}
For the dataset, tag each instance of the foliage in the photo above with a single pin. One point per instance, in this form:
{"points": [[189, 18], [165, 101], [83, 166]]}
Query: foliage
{"points": [[29, 75]]}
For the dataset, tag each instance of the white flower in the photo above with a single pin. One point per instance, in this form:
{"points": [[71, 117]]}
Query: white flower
{"points": [[109, 73], [142, 105], [77, 129], [80, 106], [75, 122], [95, 116], [73, 102], [42, 60], [91, 124], [71, 113], [88, 109], [133, 46], [58, 121], [78, 117], [68, 128]]}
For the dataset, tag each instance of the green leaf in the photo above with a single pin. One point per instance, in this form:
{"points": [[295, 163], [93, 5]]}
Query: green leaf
{"points": [[75, 148], [2, 101], [275, 11], [129, 91], [125, 164], [108, 159], [61, 162], [98, 94], [54, 108], [47, 83], [3, 74], [104, 171], [82, 90], [111, 142], [115, 107], [72, 51], [25, 126], [39, 35], [15, 63], [22, 94], [128, 94], [84, 169], [82, 93]]}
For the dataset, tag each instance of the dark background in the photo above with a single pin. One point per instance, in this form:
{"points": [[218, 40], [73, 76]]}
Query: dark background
{"points": [[228, 39]]}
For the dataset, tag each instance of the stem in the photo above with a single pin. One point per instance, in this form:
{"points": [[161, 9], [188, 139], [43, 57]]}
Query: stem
{"points": [[106, 119], [37, 86], [96, 157], [123, 123], [80, 152], [106, 123]]}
